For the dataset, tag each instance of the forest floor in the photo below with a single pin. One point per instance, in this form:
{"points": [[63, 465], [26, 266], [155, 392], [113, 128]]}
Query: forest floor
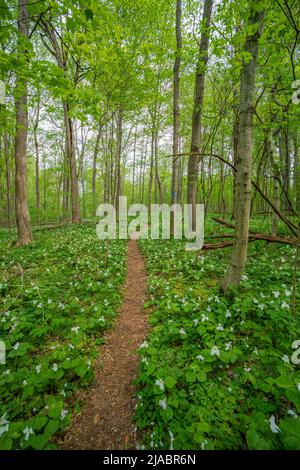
{"points": [[105, 420]]}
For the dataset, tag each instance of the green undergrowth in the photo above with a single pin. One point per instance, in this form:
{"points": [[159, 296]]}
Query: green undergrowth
{"points": [[57, 297], [220, 372]]}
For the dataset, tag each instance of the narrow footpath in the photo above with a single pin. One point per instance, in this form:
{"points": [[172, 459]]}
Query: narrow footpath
{"points": [[105, 420]]}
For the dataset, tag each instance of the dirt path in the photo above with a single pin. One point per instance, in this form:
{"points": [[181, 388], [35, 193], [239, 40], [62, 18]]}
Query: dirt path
{"points": [[105, 421]]}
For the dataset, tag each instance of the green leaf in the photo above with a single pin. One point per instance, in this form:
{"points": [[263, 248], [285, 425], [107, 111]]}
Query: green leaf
{"points": [[294, 396], [256, 441], [190, 376], [89, 14], [201, 376], [52, 427], [6, 443], [55, 408], [284, 381], [39, 422], [170, 381], [39, 442]]}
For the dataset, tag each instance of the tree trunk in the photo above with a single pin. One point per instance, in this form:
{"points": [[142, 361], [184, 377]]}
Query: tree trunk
{"points": [[157, 176], [21, 195], [151, 169], [296, 174], [119, 132], [37, 168], [244, 157], [70, 140], [70, 148], [94, 175], [9, 202], [193, 162], [176, 111]]}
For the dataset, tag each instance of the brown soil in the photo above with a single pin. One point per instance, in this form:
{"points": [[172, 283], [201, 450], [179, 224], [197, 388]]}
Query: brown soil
{"points": [[105, 420]]}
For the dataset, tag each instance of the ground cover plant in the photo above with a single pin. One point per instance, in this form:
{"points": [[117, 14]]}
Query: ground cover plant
{"points": [[58, 296], [227, 379]]}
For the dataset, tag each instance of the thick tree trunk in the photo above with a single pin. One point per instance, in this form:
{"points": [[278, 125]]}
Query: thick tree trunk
{"points": [[235, 145], [176, 111], [244, 158], [193, 164], [21, 194]]}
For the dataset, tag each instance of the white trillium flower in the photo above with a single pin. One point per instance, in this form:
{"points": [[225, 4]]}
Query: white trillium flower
{"points": [[204, 318], [4, 429], [292, 413], [55, 367], [160, 384], [276, 294], [3, 420], [163, 403], [27, 431], [227, 314], [171, 439], [38, 368], [63, 414], [75, 329], [285, 305], [203, 444], [16, 346], [273, 426], [285, 358], [298, 386], [144, 345], [200, 357], [228, 345], [182, 332], [220, 327], [215, 351]]}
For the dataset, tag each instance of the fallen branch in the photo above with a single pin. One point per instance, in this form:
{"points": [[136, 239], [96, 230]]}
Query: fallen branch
{"points": [[253, 235], [252, 238]]}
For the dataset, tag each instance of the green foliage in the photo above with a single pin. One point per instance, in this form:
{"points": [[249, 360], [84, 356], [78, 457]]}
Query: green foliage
{"points": [[58, 296], [226, 367]]}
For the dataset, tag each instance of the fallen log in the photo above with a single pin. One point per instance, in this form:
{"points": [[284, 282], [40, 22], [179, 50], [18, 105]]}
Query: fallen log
{"points": [[252, 238]]}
